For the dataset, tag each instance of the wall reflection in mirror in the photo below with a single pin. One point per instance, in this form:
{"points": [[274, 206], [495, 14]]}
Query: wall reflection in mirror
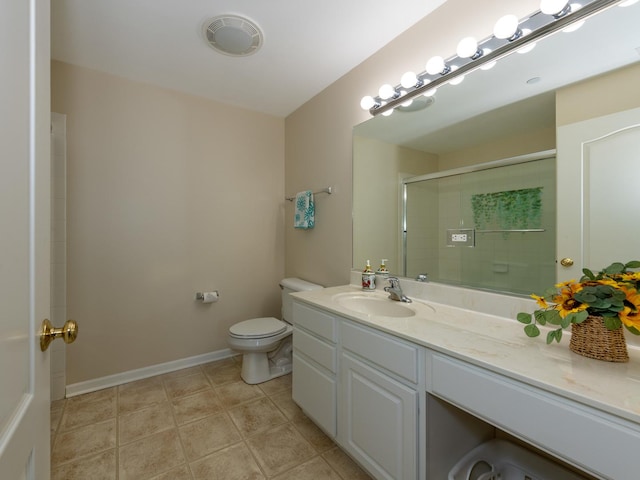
{"points": [[513, 110]]}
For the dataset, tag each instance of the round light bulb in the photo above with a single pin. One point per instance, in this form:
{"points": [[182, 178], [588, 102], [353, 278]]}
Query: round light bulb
{"points": [[552, 7], [490, 65], [409, 80], [627, 3], [386, 92], [387, 113], [435, 65], [467, 47], [367, 102], [458, 80], [407, 103], [506, 27]]}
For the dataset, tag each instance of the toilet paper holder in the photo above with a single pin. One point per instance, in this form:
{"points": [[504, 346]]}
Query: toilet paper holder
{"points": [[203, 296]]}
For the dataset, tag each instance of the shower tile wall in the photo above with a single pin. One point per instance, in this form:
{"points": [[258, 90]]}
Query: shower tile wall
{"points": [[58, 249], [513, 262]]}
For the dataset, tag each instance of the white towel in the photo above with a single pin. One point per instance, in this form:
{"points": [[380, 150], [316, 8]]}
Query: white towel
{"points": [[304, 210]]}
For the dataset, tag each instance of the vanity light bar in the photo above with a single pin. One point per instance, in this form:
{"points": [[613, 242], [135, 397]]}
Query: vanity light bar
{"points": [[528, 31]]}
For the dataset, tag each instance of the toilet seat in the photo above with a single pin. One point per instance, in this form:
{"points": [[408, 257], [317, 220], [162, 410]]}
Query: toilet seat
{"points": [[258, 328]]}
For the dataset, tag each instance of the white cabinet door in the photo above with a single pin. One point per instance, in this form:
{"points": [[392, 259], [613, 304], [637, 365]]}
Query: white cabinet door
{"points": [[25, 119], [377, 420], [314, 390], [598, 173]]}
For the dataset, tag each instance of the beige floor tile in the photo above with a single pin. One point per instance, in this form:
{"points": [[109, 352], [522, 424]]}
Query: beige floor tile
{"points": [[233, 463], [208, 435], [58, 404], [150, 456], [286, 404], [343, 464], [182, 386], [314, 469], [222, 374], [104, 394], [233, 394], [312, 433], [256, 416], [98, 467], [140, 394], [56, 416], [179, 473], [83, 441], [80, 413], [142, 423], [181, 373], [280, 449], [194, 407], [218, 364], [277, 385]]}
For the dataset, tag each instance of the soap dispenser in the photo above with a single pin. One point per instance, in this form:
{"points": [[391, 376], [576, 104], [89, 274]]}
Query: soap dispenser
{"points": [[382, 274], [368, 278]]}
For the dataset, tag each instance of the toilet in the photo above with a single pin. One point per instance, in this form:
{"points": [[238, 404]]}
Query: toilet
{"points": [[265, 343]]}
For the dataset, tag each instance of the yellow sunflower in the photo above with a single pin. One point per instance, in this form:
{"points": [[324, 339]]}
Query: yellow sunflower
{"points": [[542, 303], [630, 316], [565, 303]]}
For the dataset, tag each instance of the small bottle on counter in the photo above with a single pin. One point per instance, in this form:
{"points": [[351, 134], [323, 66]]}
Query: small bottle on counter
{"points": [[382, 274], [368, 278]]}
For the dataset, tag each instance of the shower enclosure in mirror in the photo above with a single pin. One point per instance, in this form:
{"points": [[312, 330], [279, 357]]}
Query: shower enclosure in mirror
{"points": [[491, 226]]}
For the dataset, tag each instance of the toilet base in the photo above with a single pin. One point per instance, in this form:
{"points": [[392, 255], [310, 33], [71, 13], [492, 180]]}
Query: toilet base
{"points": [[258, 368]]}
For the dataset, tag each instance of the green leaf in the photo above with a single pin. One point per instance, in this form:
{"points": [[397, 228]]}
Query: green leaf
{"points": [[632, 264], [552, 317], [581, 316], [532, 330], [566, 321], [539, 316], [612, 323], [614, 268], [588, 273], [554, 335], [524, 317]]}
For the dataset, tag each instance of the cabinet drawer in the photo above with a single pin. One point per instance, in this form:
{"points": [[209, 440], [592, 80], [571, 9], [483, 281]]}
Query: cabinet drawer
{"points": [[573, 431], [315, 349], [320, 323], [388, 352]]}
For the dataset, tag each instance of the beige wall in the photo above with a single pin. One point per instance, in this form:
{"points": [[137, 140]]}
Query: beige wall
{"points": [[318, 134], [609, 93], [169, 194]]}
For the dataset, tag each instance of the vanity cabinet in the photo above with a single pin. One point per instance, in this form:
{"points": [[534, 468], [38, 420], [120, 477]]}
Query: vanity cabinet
{"points": [[362, 387], [315, 365], [378, 415]]}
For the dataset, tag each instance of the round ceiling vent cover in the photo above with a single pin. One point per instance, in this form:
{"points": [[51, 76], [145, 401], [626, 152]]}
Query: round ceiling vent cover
{"points": [[233, 35]]}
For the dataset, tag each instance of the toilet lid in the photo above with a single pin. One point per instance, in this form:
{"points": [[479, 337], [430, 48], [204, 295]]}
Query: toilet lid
{"points": [[258, 327]]}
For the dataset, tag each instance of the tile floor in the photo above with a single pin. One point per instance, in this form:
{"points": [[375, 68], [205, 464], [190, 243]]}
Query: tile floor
{"points": [[198, 423]]}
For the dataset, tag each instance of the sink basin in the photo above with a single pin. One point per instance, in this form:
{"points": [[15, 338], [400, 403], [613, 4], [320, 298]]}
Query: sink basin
{"points": [[381, 307]]}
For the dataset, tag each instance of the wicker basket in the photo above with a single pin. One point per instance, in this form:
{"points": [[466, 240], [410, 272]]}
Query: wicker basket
{"points": [[593, 339]]}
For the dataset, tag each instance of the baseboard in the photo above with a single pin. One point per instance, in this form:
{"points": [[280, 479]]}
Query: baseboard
{"points": [[119, 378]]}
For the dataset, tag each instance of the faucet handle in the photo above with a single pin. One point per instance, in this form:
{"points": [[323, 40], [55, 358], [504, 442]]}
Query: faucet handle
{"points": [[422, 277], [394, 282]]}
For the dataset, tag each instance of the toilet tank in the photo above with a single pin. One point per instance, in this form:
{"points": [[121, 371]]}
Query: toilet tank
{"points": [[290, 285]]}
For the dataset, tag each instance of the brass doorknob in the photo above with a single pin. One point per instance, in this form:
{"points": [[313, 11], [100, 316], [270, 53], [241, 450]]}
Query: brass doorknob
{"points": [[566, 262], [48, 333]]}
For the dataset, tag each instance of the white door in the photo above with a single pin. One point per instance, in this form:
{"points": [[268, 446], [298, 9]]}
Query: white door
{"points": [[24, 237], [598, 195]]}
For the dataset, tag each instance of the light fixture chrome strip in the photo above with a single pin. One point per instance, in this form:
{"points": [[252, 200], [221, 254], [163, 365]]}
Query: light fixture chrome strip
{"points": [[541, 26]]}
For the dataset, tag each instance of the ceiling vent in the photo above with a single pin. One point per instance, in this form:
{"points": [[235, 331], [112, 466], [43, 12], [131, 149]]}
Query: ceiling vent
{"points": [[233, 35]]}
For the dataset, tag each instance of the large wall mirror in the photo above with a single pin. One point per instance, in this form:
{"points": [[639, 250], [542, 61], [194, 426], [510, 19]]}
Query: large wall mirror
{"points": [[495, 123]]}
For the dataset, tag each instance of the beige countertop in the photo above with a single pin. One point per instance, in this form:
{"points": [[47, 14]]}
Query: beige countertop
{"points": [[500, 345]]}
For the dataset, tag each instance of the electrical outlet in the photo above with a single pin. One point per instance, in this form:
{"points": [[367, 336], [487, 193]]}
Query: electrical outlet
{"points": [[461, 237]]}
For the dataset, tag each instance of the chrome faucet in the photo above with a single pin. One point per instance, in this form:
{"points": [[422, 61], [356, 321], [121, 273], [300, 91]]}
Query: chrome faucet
{"points": [[395, 291]]}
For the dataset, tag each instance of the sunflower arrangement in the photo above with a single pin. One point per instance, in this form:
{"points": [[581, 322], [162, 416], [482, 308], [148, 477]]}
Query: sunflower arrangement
{"points": [[612, 294]]}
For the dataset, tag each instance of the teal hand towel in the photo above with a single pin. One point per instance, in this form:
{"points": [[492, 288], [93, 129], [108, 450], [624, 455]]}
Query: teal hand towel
{"points": [[304, 211]]}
